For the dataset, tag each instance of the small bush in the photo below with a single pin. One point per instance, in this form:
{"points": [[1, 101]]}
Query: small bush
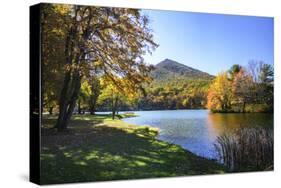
{"points": [[246, 149]]}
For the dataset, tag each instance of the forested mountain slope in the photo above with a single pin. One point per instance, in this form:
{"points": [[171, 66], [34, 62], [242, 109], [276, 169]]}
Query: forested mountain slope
{"points": [[176, 86]]}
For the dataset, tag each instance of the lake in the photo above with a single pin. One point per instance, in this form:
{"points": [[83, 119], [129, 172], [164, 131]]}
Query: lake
{"points": [[197, 130]]}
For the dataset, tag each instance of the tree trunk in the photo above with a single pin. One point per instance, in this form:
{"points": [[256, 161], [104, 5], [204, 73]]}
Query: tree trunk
{"points": [[63, 101], [113, 114], [51, 110], [69, 95], [113, 109], [114, 106], [244, 106], [79, 107], [92, 105], [92, 110], [72, 81], [95, 88]]}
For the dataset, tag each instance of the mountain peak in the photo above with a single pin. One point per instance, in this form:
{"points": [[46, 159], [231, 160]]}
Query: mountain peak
{"points": [[167, 61], [170, 68]]}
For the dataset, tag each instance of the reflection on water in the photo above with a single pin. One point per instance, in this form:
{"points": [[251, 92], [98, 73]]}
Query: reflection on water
{"points": [[196, 130]]}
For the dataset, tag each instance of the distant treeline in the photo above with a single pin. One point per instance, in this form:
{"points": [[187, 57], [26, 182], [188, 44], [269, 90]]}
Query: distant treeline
{"points": [[240, 89], [170, 95], [191, 94]]}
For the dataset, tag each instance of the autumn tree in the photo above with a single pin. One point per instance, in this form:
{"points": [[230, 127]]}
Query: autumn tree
{"points": [[233, 71], [95, 91], [121, 90], [250, 86], [83, 97], [112, 40], [220, 94], [113, 95], [52, 56], [243, 88]]}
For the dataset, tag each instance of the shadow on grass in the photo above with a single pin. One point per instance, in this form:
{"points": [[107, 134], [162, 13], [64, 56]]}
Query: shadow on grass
{"points": [[78, 124], [101, 153]]}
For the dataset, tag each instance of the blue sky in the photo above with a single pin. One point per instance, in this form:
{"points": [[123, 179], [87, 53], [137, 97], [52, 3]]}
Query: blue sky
{"points": [[210, 42]]}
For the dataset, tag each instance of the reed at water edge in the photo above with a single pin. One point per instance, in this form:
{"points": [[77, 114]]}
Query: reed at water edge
{"points": [[247, 149]]}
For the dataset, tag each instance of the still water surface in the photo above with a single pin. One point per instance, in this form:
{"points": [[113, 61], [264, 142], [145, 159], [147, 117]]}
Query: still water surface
{"points": [[197, 130]]}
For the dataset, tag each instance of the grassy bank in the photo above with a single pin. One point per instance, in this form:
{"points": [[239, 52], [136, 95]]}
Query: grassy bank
{"points": [[97, 148]]}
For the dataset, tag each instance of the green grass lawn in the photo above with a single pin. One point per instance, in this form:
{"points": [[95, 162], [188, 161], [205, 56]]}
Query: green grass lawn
{"points": [[97, 148]]}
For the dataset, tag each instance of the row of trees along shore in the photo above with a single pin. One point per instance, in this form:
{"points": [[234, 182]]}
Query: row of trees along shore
{"points": [[243, 89], [240, 89], [92, 59]]}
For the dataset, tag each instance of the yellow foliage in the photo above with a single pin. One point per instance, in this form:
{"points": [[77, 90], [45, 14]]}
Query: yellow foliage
{"points": [[62, 9], [219, 95]]}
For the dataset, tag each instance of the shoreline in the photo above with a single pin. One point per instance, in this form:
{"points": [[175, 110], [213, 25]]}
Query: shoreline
{"points": [[135, 115]]}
